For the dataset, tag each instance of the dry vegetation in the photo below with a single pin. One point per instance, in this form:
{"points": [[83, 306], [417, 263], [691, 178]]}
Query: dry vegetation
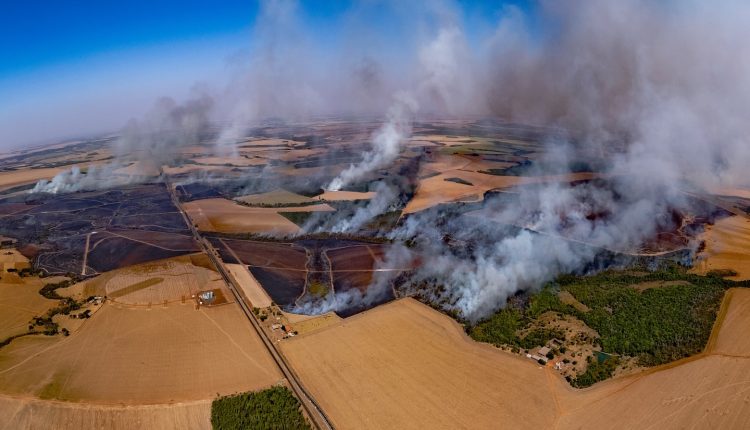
{"points": [[435, 189], [20, 301], [727, 247], [405, 365], [158, 282], [113, 357], [276, 197], [128, 366], [225, 216], [28, 413], [250, 287]]}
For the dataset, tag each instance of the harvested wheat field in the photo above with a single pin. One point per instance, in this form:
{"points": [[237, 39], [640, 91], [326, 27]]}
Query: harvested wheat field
{"points": [[250, 286], [727, 247], [404, 365], [309, 323], [435, 190], [170, 280], [26, 176], [226, 216], [136, 356], [276, 197], [21, 413], [334, 196], [20, 301]]}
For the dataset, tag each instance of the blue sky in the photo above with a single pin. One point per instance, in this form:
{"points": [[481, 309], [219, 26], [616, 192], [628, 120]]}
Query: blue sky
{"points": [[94, 64]]}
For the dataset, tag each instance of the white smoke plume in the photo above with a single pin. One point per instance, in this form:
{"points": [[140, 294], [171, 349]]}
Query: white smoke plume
{"points": [[387, 143], [93, 178], [145, 144], [383, 201], [377, 292]]}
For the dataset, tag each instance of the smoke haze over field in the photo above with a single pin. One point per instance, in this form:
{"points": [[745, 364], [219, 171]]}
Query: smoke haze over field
{"points": [[657, 92]]}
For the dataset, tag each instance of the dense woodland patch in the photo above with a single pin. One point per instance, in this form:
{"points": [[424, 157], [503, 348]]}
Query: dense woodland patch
{"points": [[670, 320], [273, 408]]}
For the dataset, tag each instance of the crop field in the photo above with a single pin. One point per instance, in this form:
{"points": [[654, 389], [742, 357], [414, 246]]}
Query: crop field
{"points": [[435, 378], [20, 301], [226, 216], [200, 353], [250, 286], [276, 197], [436, 189], [280, 268], [268, 254], [115, 249], [157, 282], [727, 247], [27, 413], [440, 379]]}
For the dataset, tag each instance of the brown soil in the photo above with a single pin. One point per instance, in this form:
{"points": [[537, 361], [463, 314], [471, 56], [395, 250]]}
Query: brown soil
{"points": [[274, 197], [345, 195]]}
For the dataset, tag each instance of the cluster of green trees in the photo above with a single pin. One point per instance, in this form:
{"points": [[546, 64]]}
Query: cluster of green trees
{"points": [[44, 324], [595, 371], [657, 325], [502, 329], [273, 408]]}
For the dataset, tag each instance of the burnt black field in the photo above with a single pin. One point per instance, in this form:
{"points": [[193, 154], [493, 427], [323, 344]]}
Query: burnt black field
{"points": [[282, 268], [284, 286], [52, 229]]}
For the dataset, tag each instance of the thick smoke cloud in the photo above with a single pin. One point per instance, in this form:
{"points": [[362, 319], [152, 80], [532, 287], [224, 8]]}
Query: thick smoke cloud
{"points": [[657, 93], [158, 138], [665, 83]]}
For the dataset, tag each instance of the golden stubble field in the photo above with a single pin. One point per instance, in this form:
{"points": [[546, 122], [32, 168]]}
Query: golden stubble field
{"points": [[20, 301], [435, 190], [727, 247], [226, 216], [132, 356], [131, 366], [154, 283], [404, 365]]}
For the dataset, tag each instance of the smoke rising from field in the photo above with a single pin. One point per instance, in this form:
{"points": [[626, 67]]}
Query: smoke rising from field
{"points": [[149, 143], [159, 137], [658, 93], [387, 143]]}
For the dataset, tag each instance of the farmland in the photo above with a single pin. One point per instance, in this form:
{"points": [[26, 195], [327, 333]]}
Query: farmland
{"points": [[216, 354], [326, 274], [289, 272], [225, 216], [427, 355]]}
